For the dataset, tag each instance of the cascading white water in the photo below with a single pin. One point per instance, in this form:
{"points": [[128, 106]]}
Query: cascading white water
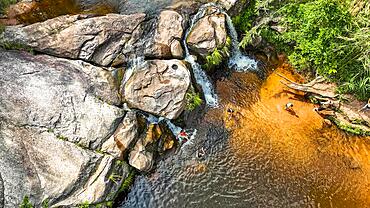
{"points": [[200, 76], [238, 61]]}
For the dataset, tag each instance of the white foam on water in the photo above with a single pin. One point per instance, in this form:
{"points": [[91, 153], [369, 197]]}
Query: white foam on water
{"points": [[201, 77], [238, 61]]}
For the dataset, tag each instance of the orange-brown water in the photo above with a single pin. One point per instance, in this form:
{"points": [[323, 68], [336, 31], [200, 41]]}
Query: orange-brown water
{"points": [[337, 163], [46, 9], [260, 155]]}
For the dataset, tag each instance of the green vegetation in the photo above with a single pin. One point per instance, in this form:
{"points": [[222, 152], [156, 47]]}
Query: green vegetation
{"points": [[331, 37], [127, 183], [244, 21], [350, 128], [84, 205], [218, 55], [26, 203], [15, 46], [61, 137], [193, 100], [4, 4]]}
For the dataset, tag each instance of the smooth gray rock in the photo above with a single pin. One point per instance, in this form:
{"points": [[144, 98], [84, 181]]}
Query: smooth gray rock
{"points": [[94, 39], [158, 87], [34, 163], [46, 105], [58, 95]]}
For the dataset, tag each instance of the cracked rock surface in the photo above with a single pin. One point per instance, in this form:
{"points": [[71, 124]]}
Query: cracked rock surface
{"points": [[47, 106], [208, 34], [99, 40], [159, 87]]}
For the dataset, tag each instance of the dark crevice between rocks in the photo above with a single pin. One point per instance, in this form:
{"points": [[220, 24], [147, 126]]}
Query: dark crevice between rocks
{"points": [[1, 191]]}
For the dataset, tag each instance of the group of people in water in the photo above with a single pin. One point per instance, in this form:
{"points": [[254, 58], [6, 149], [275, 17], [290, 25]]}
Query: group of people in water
{"points": [[183, 137]]}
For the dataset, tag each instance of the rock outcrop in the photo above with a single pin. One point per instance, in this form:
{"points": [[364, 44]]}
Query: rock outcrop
{"points": [[158, 87], [208, 33], [124, 136], [51, 121], [94, 39], [142, 155], [166, 40], [62, 125]]}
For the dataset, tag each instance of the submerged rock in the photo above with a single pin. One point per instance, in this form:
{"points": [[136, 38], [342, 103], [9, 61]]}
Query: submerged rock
{"points": [[51, 121], [95, 39], [159, 87], [208, 34], [166, 40]]}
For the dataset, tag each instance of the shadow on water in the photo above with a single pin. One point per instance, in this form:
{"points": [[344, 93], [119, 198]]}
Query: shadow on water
{"points": [[259, 155]]}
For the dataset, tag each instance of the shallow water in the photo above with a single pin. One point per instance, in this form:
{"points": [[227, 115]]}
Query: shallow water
{"points": [[261, 156], [46, 9]]}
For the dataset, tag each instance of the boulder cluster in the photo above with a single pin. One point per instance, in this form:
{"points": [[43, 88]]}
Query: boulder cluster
{"points": [[65, 129]]}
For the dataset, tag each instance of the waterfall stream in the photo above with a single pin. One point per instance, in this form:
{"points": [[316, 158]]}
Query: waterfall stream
{"points": [[238, 61], [200, 76]]}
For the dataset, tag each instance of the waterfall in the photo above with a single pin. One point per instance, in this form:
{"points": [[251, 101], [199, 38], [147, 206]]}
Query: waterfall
{"points": [[200, 76], [238, 61]]}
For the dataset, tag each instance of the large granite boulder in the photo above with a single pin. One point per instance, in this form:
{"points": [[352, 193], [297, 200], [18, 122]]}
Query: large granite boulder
{"points": [[166, 39], [158, 87], [51, 123], [208, 33], [62, 96], [94, 39]]}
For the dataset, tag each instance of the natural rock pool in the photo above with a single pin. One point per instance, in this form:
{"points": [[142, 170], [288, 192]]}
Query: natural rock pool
{"points": [[260, 156], [84, 76]]}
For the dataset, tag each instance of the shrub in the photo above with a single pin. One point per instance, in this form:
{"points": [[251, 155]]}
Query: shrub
{"points": [[26, 203], [5, 3], [324, 35], [193, 100], [218, 55]]}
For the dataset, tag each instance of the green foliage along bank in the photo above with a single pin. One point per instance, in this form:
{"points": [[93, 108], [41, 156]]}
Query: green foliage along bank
{"points": [[329, 37], [4, 4]]}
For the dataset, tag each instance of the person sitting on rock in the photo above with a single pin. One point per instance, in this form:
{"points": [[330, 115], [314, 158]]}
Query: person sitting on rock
{"points": [[366, 107]]}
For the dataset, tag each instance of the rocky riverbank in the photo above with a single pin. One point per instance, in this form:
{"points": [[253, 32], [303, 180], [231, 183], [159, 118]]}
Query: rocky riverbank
{"points": [[77, 93], [86, 100]]}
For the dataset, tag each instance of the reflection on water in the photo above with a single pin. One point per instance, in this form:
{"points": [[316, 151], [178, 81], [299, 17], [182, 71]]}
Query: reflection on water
{"points": [[259, 155], [46, 9]]}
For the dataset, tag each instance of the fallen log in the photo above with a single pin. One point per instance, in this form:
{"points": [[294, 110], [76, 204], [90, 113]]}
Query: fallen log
{"points": [[344, 111]]}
